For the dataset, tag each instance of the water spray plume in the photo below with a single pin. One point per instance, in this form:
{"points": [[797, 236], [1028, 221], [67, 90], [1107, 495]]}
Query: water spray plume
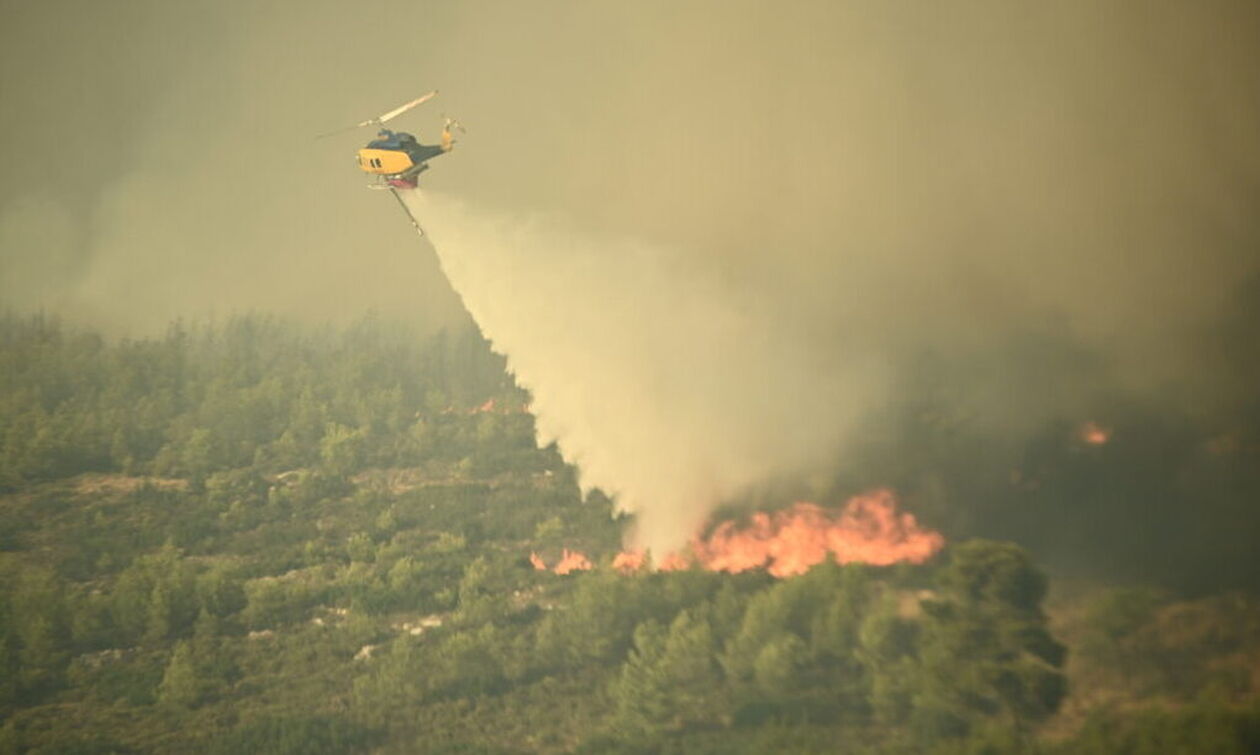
{"points": [[666, 390]]}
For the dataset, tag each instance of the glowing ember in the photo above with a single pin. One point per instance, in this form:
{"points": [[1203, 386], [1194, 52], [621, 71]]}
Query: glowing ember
{"points": [[867, 530], [571, 561], [1094, 434], [537, 561]]}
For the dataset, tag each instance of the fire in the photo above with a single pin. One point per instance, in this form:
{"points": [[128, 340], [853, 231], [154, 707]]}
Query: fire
{"points": [[629, 561], [867, 529], [1094, 434], [570, 561]]}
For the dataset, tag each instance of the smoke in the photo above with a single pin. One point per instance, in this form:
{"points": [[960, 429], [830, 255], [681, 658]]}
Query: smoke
{"points": [[663, 389], [41, 226], [1019, 215], [873, 172], [798, 227]]}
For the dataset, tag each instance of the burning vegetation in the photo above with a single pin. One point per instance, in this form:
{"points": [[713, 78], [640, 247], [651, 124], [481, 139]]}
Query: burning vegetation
{"points": [[570, 561], [867, 529], [302, 552]]}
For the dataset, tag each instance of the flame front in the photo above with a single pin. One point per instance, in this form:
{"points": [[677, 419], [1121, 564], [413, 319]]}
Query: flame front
{"points": [[571, 561], [629, 561], [867, 530]]}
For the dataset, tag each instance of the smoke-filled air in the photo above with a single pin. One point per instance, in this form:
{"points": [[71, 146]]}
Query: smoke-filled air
{"points": [[607, 376], [715, 270]]}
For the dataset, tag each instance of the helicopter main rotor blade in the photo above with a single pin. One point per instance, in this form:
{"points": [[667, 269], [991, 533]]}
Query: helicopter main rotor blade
{"points": [[382, 118], [401, 109]]}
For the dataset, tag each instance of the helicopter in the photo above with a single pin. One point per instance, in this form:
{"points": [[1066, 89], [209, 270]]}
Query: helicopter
{"points": [[396, 158]]}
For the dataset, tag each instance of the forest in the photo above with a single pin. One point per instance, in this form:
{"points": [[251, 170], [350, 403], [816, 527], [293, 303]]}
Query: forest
{"points": [[255, 536]]}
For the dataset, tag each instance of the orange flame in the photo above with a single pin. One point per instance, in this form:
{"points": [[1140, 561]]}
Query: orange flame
{"points": [[868, 530], [629, 561], [537, 561], [571, 561]]}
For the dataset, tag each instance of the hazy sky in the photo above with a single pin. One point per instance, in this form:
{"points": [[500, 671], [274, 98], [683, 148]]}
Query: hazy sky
{"points": [[968, 161]]}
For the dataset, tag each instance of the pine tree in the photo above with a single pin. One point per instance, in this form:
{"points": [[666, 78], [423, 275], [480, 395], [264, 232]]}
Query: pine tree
{"points": [[180, 683], [158, 623], [642, 703], [671, 678]]}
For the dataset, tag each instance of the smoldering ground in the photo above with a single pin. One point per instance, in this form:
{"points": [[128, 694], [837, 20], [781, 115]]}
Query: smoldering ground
{"points": [[1026, 213]]}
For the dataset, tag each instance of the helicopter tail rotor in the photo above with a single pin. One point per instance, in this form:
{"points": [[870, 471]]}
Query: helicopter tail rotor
{"points": [[451, 123], [448, 139]]}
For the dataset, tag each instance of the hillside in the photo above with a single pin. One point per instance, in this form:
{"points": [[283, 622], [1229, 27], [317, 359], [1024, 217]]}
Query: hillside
{"points": [[254, 537]]}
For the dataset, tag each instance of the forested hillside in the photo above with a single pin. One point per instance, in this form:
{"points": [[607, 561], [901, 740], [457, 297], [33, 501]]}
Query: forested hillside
{"points": [[258, 538]]}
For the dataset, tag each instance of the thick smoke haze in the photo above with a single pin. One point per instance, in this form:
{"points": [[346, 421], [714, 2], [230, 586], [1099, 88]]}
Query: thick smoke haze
{"points": [[1030, 213]]}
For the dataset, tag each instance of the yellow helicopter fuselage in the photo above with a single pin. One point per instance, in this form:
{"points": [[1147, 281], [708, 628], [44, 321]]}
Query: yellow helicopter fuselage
{"points": [[384, 162]]}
